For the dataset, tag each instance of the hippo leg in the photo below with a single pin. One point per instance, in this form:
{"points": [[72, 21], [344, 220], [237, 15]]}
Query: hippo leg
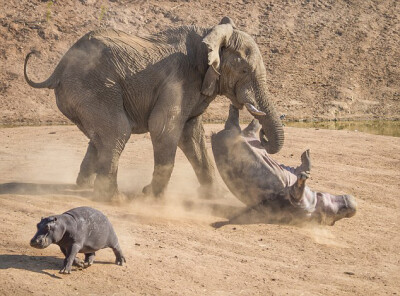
{"points": [[69, 260], [232, 123], [77, 262], [119, 257], [305, 163], [296, 191], [89, 259]]}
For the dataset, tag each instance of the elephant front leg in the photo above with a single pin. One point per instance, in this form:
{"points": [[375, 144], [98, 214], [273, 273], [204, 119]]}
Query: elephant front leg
{"points": [[164, 157], [193, 145], [165, 131]]}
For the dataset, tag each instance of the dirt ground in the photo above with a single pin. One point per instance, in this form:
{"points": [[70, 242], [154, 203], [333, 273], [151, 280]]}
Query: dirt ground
{"points": [[171, 246]]}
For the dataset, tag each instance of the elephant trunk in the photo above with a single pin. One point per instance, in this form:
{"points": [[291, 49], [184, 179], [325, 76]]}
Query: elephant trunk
{"points": [[271, 133]]}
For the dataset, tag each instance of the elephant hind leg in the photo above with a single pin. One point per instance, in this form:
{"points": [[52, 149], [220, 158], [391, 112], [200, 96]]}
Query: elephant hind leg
{"points": [[109, 145], [87, 171]]}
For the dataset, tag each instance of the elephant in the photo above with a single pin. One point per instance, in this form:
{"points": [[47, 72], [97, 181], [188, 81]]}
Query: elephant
{"points": [[111, 85]]}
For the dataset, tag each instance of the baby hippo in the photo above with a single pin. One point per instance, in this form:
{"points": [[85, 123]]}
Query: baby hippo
{"points": [[80, 230]]}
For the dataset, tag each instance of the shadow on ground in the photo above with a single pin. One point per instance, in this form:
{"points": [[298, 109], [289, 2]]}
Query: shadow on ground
{"points": [[38, 264], [236, 215], [32, 263], [40, 189]]}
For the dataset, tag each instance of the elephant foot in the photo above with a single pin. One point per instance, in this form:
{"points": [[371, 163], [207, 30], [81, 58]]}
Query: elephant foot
{"points": [[105, 189], [84, 181], [150, 191], [118, 198], [210, 191]]}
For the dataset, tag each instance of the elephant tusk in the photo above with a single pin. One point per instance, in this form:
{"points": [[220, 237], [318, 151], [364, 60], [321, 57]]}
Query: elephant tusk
{"points": [[253, 110]]}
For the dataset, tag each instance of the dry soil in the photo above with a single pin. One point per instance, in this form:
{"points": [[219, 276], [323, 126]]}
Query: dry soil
{"points": [[171, 246]]}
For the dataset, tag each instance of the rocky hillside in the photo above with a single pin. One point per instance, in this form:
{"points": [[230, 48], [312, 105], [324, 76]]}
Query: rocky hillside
{"points": [[324, 59]]}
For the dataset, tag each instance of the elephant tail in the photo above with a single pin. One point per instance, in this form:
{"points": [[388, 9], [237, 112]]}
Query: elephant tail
{"points": [[51, 82]]}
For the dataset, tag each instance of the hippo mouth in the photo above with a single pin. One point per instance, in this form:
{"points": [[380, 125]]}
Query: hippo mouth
{"points": [[40, 242], [331, 208]]}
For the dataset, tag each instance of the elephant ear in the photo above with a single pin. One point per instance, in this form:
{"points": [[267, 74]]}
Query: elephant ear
{"points": [[218, 37]]}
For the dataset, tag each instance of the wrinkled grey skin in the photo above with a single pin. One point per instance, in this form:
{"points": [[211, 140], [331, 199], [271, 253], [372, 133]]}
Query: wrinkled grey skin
{"points": [[111, 84], [264, 185], [80, 230]]}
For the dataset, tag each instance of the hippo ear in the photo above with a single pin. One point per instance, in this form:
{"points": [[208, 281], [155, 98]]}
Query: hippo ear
{"points": [[55, 219]]}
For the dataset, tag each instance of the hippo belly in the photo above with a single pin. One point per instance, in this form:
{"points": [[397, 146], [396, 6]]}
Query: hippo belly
{"points": [[251, 177]]}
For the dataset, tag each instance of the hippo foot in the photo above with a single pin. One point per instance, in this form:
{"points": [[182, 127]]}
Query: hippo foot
{"points": [[120, 260], [306, 161], [78, 263], [65, 270], [85, 182], [89, 259]]}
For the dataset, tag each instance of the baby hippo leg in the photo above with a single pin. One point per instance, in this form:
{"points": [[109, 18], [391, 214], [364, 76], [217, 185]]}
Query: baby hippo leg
{"points": [[89, 259], [119, 257], [70, 259], [77, 262]]}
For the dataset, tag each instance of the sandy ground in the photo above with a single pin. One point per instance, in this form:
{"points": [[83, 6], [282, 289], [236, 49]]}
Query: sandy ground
{"points": [[171, 247]]}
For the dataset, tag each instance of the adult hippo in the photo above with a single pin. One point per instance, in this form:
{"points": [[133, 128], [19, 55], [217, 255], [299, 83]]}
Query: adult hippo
{"points": [[264, 185]]}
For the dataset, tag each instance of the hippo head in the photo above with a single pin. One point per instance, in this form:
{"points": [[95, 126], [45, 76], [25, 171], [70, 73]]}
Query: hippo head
{"points": [[48, 231], [330, 208]]}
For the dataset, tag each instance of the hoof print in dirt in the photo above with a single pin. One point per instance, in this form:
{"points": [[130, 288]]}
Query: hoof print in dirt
{"points": [[80, 230]]}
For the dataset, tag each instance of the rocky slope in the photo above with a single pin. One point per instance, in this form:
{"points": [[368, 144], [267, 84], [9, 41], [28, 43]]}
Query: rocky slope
{"points": [[324, 59]]}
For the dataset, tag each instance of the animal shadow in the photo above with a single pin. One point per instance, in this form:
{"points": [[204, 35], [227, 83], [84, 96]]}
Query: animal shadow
{"points": [[32, 263], [40, 189], [233, 214], [243, 215]]}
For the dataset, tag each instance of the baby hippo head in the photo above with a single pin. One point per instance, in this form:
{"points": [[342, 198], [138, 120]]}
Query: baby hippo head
{"points": [[331, 208], [48, 231]]}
